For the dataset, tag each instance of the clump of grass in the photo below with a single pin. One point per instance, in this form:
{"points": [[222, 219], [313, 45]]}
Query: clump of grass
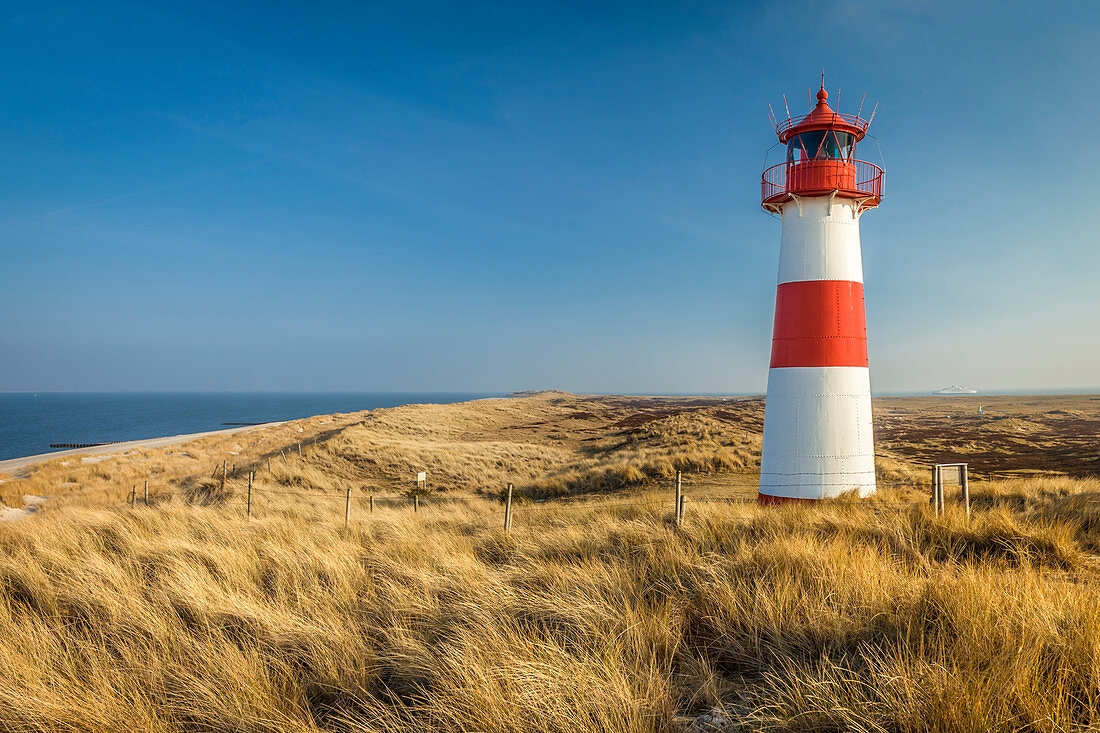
{"points": [[653, 453]]}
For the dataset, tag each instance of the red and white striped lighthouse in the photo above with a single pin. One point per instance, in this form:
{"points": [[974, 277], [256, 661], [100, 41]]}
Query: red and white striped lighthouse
{"points": [[818, 440]]}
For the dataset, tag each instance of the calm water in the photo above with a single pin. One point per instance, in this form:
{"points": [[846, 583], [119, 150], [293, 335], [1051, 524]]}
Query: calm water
{"points": [[29, 423]]}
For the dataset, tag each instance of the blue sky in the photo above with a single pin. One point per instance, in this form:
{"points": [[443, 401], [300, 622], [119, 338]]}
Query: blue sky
{"points": [[487, 197]]}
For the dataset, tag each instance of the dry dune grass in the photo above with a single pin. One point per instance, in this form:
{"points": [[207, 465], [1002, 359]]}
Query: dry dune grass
{"points": [[595, 613], [587, 616], [108, 479], [553, 443], [486, 445], [653, 452], [548, 444]]}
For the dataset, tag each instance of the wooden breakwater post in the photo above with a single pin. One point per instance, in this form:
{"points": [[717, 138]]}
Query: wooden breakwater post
{"points": [[508, 510], [677, 504], [347, 506], [248, 511]]}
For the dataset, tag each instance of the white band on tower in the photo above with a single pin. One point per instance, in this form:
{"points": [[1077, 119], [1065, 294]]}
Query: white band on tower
{"points": [[818, 433], [819, 244]]}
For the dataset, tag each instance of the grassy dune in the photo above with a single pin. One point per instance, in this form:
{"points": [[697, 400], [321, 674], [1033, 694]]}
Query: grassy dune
{"points": [[594, 613], [549, 444]]}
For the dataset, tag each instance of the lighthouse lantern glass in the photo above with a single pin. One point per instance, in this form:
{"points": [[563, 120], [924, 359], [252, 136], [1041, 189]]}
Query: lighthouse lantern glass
{"points": [[820, 145]]}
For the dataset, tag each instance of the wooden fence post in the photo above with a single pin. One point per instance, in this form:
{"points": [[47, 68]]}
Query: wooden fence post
{"points": [[372, 502], [347, 507], [676, 503], [251, 475], [965, 491], [508, 511], [943, 494], [416, 503], [146, 493], [683, 502], [133, 497], [299, 449], [223, 475], [938, 492], [935, 489]]}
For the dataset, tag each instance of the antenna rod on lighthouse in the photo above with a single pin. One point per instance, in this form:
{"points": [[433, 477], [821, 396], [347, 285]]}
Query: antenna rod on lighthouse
{"points": [[785, 106], [771, 112], [861, 103], [872, 115]]}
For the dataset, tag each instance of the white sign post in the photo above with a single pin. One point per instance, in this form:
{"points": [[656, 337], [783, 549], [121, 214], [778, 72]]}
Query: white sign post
{"points": [[421, 479]]}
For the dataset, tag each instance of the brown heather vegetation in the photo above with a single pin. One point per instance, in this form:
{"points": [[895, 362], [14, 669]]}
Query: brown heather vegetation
{"points": [[594, 613]]}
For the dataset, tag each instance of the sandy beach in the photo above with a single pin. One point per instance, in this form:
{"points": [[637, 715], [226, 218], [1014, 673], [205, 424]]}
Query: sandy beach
{"points": [[12, 465]]}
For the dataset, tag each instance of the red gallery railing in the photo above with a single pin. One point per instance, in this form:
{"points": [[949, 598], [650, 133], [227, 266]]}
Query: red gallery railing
{"points": [[849, 178]]}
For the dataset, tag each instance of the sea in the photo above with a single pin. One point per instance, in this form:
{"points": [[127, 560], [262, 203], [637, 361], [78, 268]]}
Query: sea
{"points": [[30, 422]]}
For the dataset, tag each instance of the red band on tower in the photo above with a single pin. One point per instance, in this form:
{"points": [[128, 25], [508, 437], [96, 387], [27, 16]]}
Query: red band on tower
{"points": [[819, 323]]}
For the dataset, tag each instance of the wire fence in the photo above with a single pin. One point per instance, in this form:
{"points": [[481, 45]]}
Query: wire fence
{"points": [[686, 489], [356, 505]]}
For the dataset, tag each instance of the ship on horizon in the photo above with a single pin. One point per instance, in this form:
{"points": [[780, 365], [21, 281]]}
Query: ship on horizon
{"points": [[956, 389]]}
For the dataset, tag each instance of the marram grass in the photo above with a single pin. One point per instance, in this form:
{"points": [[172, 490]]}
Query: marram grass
{"points": [[595, 613], [605, 617]]}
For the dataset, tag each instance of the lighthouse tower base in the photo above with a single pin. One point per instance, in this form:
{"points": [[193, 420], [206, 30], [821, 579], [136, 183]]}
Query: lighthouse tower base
{"points": [[818, 439], [818, 442]]}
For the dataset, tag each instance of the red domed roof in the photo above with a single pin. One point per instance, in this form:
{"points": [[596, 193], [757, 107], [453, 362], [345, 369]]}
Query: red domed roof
{"points": [[822, 117]]}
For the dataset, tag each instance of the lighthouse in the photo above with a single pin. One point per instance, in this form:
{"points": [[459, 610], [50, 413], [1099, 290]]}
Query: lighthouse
{"points": [[818, 440]]}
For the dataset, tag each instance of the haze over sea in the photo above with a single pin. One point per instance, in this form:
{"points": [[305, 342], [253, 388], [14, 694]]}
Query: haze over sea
{"points": [[30, 422]]}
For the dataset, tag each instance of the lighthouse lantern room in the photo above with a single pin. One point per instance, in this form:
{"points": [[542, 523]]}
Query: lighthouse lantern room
{"points": [[818, 440]]}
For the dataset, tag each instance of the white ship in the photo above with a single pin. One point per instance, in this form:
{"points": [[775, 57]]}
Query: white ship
{"points": [[956, 389]]}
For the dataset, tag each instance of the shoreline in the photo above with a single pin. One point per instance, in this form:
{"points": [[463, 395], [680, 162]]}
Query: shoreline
{"points": [[11, 465]]}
